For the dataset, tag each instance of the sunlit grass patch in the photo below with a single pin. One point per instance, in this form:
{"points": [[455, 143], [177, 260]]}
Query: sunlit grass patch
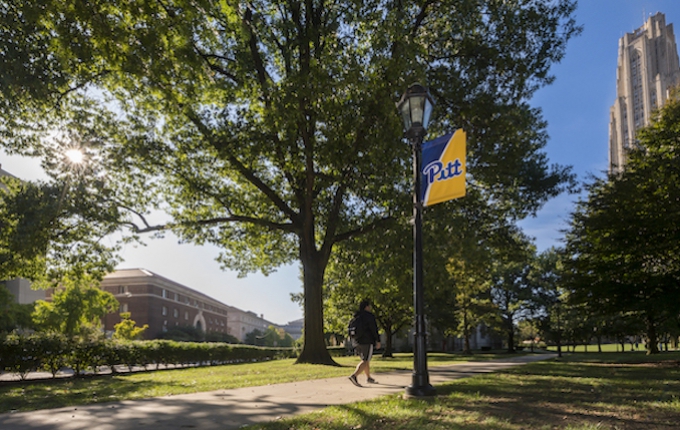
{"points": [[28, 395], [602, 393]]}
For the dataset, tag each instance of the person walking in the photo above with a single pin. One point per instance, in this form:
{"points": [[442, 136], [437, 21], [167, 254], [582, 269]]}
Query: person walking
{"points": [[364, 343]]}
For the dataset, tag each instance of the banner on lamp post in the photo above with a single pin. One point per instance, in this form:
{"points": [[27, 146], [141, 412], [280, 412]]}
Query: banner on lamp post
{"points": [[443, 168]]}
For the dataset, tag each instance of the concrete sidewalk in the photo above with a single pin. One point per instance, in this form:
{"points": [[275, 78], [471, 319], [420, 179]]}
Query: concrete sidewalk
{"points": [[233, 409]]}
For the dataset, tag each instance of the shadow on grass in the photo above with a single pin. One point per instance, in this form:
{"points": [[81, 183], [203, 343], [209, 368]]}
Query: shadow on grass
{"points": [[69, 392], [618, 396], [603, 393]]}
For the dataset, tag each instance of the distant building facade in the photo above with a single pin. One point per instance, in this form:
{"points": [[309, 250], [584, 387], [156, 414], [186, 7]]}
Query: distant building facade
{"points": [[22, 292], [294, 328], [647, 69], [162, 303]]}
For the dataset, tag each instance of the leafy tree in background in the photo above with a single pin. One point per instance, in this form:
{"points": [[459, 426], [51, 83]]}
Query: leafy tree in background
{"points": [[183, 333], [13, 315], [623, 242], [548, 295], [270, 337], [6, 312], [510, 289], [254, 338], [76, 309], [376, 266], [471, 300], [459, 241], [269, 129], [127, 329]]}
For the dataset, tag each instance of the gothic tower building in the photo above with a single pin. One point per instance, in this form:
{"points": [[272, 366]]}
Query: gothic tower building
{"points": [[647, 69]]}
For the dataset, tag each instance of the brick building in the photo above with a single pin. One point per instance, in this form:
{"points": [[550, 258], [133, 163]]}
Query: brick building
{"points": [[161, 303]]}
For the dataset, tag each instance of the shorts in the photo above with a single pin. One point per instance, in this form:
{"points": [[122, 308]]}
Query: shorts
{"points": [[364, 351]]}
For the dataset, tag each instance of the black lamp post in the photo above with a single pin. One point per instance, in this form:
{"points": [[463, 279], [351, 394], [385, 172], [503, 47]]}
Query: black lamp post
{"points": [[415, 107]]}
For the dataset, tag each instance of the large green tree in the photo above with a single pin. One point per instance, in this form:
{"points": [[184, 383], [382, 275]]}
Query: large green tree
{"points": [[269, 127], [76, 309], [624, 240]]}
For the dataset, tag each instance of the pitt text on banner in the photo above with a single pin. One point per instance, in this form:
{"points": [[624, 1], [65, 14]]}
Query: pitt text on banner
{"points": [[443, 171]]}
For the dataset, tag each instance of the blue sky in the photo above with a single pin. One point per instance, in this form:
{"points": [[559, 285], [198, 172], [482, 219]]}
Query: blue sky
{"points": [[577, 104], [576, 107]]}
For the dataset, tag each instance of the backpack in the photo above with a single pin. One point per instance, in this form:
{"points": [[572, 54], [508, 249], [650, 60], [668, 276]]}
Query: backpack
{"points": [[356, 327]]}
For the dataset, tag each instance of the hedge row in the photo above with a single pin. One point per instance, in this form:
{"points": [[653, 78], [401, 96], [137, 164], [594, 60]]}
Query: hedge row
{"points": [[52, 352]]}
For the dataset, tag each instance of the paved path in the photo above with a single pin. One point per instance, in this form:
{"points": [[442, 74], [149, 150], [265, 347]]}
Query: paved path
{"points": [[233, 409]]}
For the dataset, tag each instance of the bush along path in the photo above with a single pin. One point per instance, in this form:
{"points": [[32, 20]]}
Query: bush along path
{"points": [[58, 355]]}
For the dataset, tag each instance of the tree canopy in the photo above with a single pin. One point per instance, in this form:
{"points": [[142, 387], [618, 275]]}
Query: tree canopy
{"points": [[48, 230], [268, 127]]}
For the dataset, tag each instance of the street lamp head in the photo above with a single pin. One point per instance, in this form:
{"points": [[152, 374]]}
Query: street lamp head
{"points": [[415, 107]]}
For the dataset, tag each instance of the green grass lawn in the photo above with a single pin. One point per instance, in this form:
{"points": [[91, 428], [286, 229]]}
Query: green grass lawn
{"points": [[607, 391], [28, 396]]}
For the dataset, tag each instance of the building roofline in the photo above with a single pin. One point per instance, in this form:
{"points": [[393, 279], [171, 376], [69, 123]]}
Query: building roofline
{"points": [[140, 273]]}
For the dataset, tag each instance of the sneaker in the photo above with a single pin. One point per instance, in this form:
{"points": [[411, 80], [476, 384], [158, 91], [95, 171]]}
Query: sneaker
{"points": [[354, 381], [371, 381]]}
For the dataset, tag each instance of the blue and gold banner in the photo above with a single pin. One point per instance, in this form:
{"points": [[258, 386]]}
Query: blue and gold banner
{"points": [[443, 171]]}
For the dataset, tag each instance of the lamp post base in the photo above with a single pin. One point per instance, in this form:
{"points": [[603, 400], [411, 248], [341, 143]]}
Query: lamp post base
{"points": [[420, 391]]}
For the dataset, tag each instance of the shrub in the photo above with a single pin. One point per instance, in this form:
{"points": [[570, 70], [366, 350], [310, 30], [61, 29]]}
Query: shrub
{"points": [[24, 354]]}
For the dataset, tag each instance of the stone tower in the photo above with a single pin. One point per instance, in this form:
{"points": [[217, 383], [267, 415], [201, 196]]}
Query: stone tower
{"points": [[647, 69]]}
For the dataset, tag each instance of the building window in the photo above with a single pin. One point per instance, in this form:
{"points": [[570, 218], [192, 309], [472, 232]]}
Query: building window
{"points": [[123, 307], [175, 313], [165, 293], [186, 315], [122, 289], [165, 311], [176, 297]]}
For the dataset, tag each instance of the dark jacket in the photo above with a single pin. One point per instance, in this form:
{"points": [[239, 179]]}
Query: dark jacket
{"points": [[370, 335]]}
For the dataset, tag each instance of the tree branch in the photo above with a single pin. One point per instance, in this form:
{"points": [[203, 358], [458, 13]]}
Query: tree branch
{"points": [[289, 227], [363, 229], [82, 85], [262, 74], [216, 68], [247, 173], [421, 16]]}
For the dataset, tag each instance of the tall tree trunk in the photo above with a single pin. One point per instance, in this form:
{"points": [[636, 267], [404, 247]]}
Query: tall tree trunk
{"points": [[652, 340], [388, 342], [466, 335], [511, 336], [314, 350]]}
